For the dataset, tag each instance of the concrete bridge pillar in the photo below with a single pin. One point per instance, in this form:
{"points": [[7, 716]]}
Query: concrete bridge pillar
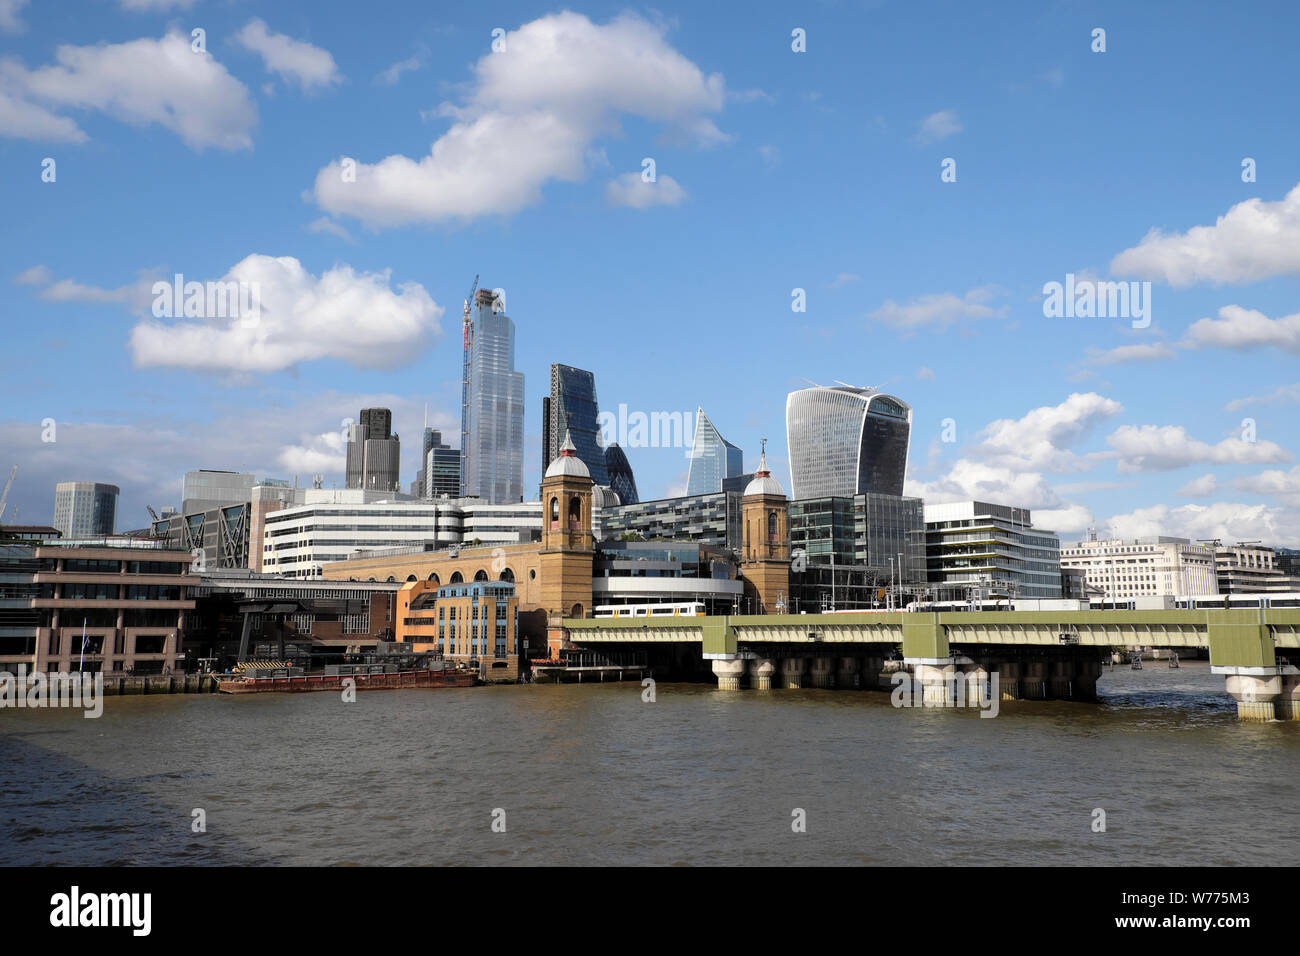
{"points": [[975, 676], [761, 670], [823, 672], [1061, 675], [729, 674], [1033, 680], [792, 671], [870, 677], [1288, 701], [1255, 696], [936, 682], [1086, 675], [846, 676], [1009, 679]]}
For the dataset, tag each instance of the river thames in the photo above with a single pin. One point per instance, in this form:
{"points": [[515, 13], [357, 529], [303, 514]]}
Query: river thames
{"points": [[592, 774]]}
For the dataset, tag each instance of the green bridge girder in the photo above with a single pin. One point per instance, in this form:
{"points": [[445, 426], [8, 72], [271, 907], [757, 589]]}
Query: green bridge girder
{"points": [[1235, 638]]}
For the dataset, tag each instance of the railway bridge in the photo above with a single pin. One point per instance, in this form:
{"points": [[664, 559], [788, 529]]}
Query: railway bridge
{"points": [[1033, 654]]}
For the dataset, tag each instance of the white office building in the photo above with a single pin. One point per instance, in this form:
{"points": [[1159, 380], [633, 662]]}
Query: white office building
{"points": [[978, 549], [1119, 570], [299, 540]]}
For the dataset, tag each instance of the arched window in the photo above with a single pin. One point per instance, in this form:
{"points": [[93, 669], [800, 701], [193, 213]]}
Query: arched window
{"points": [[575, 611], [771, 526], [555, 514], [455, 578], [575, 513], [507, 575], [410, 578], [433, 576], [480, 575], [392, 580]]}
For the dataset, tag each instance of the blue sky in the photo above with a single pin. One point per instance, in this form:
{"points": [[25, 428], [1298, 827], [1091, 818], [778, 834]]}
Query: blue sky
{"points": [[776, 170]]}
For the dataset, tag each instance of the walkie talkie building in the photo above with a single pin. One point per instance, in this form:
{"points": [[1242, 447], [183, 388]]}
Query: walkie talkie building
{"points": [[844, 441]]}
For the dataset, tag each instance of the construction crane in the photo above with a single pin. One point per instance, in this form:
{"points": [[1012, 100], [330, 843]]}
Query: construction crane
{"points": [[4, 495], [153, 514], [468, 333]]}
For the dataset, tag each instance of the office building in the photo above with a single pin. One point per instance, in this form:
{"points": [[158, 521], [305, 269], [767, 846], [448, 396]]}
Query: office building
{"points": [[492, 431], [475, 624], [374, 453], [1158, 566], [216, 538], [713, 458], [885, 532], [1251, 569], [844, 441], [85, 509], [619, 470], [298, 540], [979, 549], [115, 606], [572, 407], [712, 519], [439, 472], [442, 471], [208, 488]]}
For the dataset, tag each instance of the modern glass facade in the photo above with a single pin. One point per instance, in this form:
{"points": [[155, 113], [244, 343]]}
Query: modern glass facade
{"points": [[620, 474], [713, 458], [975, 546], [442, 468], [572, 407], [886, 532], [492, 460], [845, 441], [704, 519], [85, 509]]}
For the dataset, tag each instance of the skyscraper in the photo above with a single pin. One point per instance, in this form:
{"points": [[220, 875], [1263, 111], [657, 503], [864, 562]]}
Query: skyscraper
{"points": [[374, 452], [442, 468], [572, 406], [492, 458], [845, 441], [85, 509], [621, 478], [713, 458]]}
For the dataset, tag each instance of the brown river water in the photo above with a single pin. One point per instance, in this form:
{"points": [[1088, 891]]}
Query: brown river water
{"points": [[593, 774]]}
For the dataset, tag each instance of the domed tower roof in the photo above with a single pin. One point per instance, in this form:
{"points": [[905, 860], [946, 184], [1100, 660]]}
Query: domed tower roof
{"points": [[764, 483], [568, 464], [603, 496]]}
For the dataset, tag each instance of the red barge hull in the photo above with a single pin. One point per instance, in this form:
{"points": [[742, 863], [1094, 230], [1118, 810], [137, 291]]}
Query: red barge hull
{"points": [[305, 683]]}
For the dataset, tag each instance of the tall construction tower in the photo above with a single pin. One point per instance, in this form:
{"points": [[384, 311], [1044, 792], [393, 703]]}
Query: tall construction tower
{"points": [[468, 332]]}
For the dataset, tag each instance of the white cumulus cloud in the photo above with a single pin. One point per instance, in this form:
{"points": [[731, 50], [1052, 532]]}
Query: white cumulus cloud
{"points": [[140, 82], [530, 116], [940, 310], [343, 314], [1239, 328], [1253, 240], [632, 191], [1166, 447], [293, 60]]}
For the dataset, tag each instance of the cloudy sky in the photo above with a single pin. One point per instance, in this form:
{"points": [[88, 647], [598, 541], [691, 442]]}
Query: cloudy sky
{"points": [[915, 174]]}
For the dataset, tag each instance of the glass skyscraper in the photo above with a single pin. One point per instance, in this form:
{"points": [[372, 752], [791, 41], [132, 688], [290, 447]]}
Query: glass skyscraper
{"points": [[621, 478], [845, 441], [572, 407], [492, 461], [713, 458], [85, 509]]}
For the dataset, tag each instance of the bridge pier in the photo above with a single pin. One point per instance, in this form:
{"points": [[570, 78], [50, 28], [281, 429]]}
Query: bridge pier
{"points": [[1288, 700], [1086, 675], [729, 673], [937, 683], [823, 672], [1008, 679], [1255, 695], [1059, 680], [847, 675], [976, 677], [761, 670], [1033, 680], [792, 671]]}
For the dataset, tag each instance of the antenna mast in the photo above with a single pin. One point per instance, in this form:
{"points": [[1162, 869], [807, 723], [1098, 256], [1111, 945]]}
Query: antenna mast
{"points": [[468, 332]]}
